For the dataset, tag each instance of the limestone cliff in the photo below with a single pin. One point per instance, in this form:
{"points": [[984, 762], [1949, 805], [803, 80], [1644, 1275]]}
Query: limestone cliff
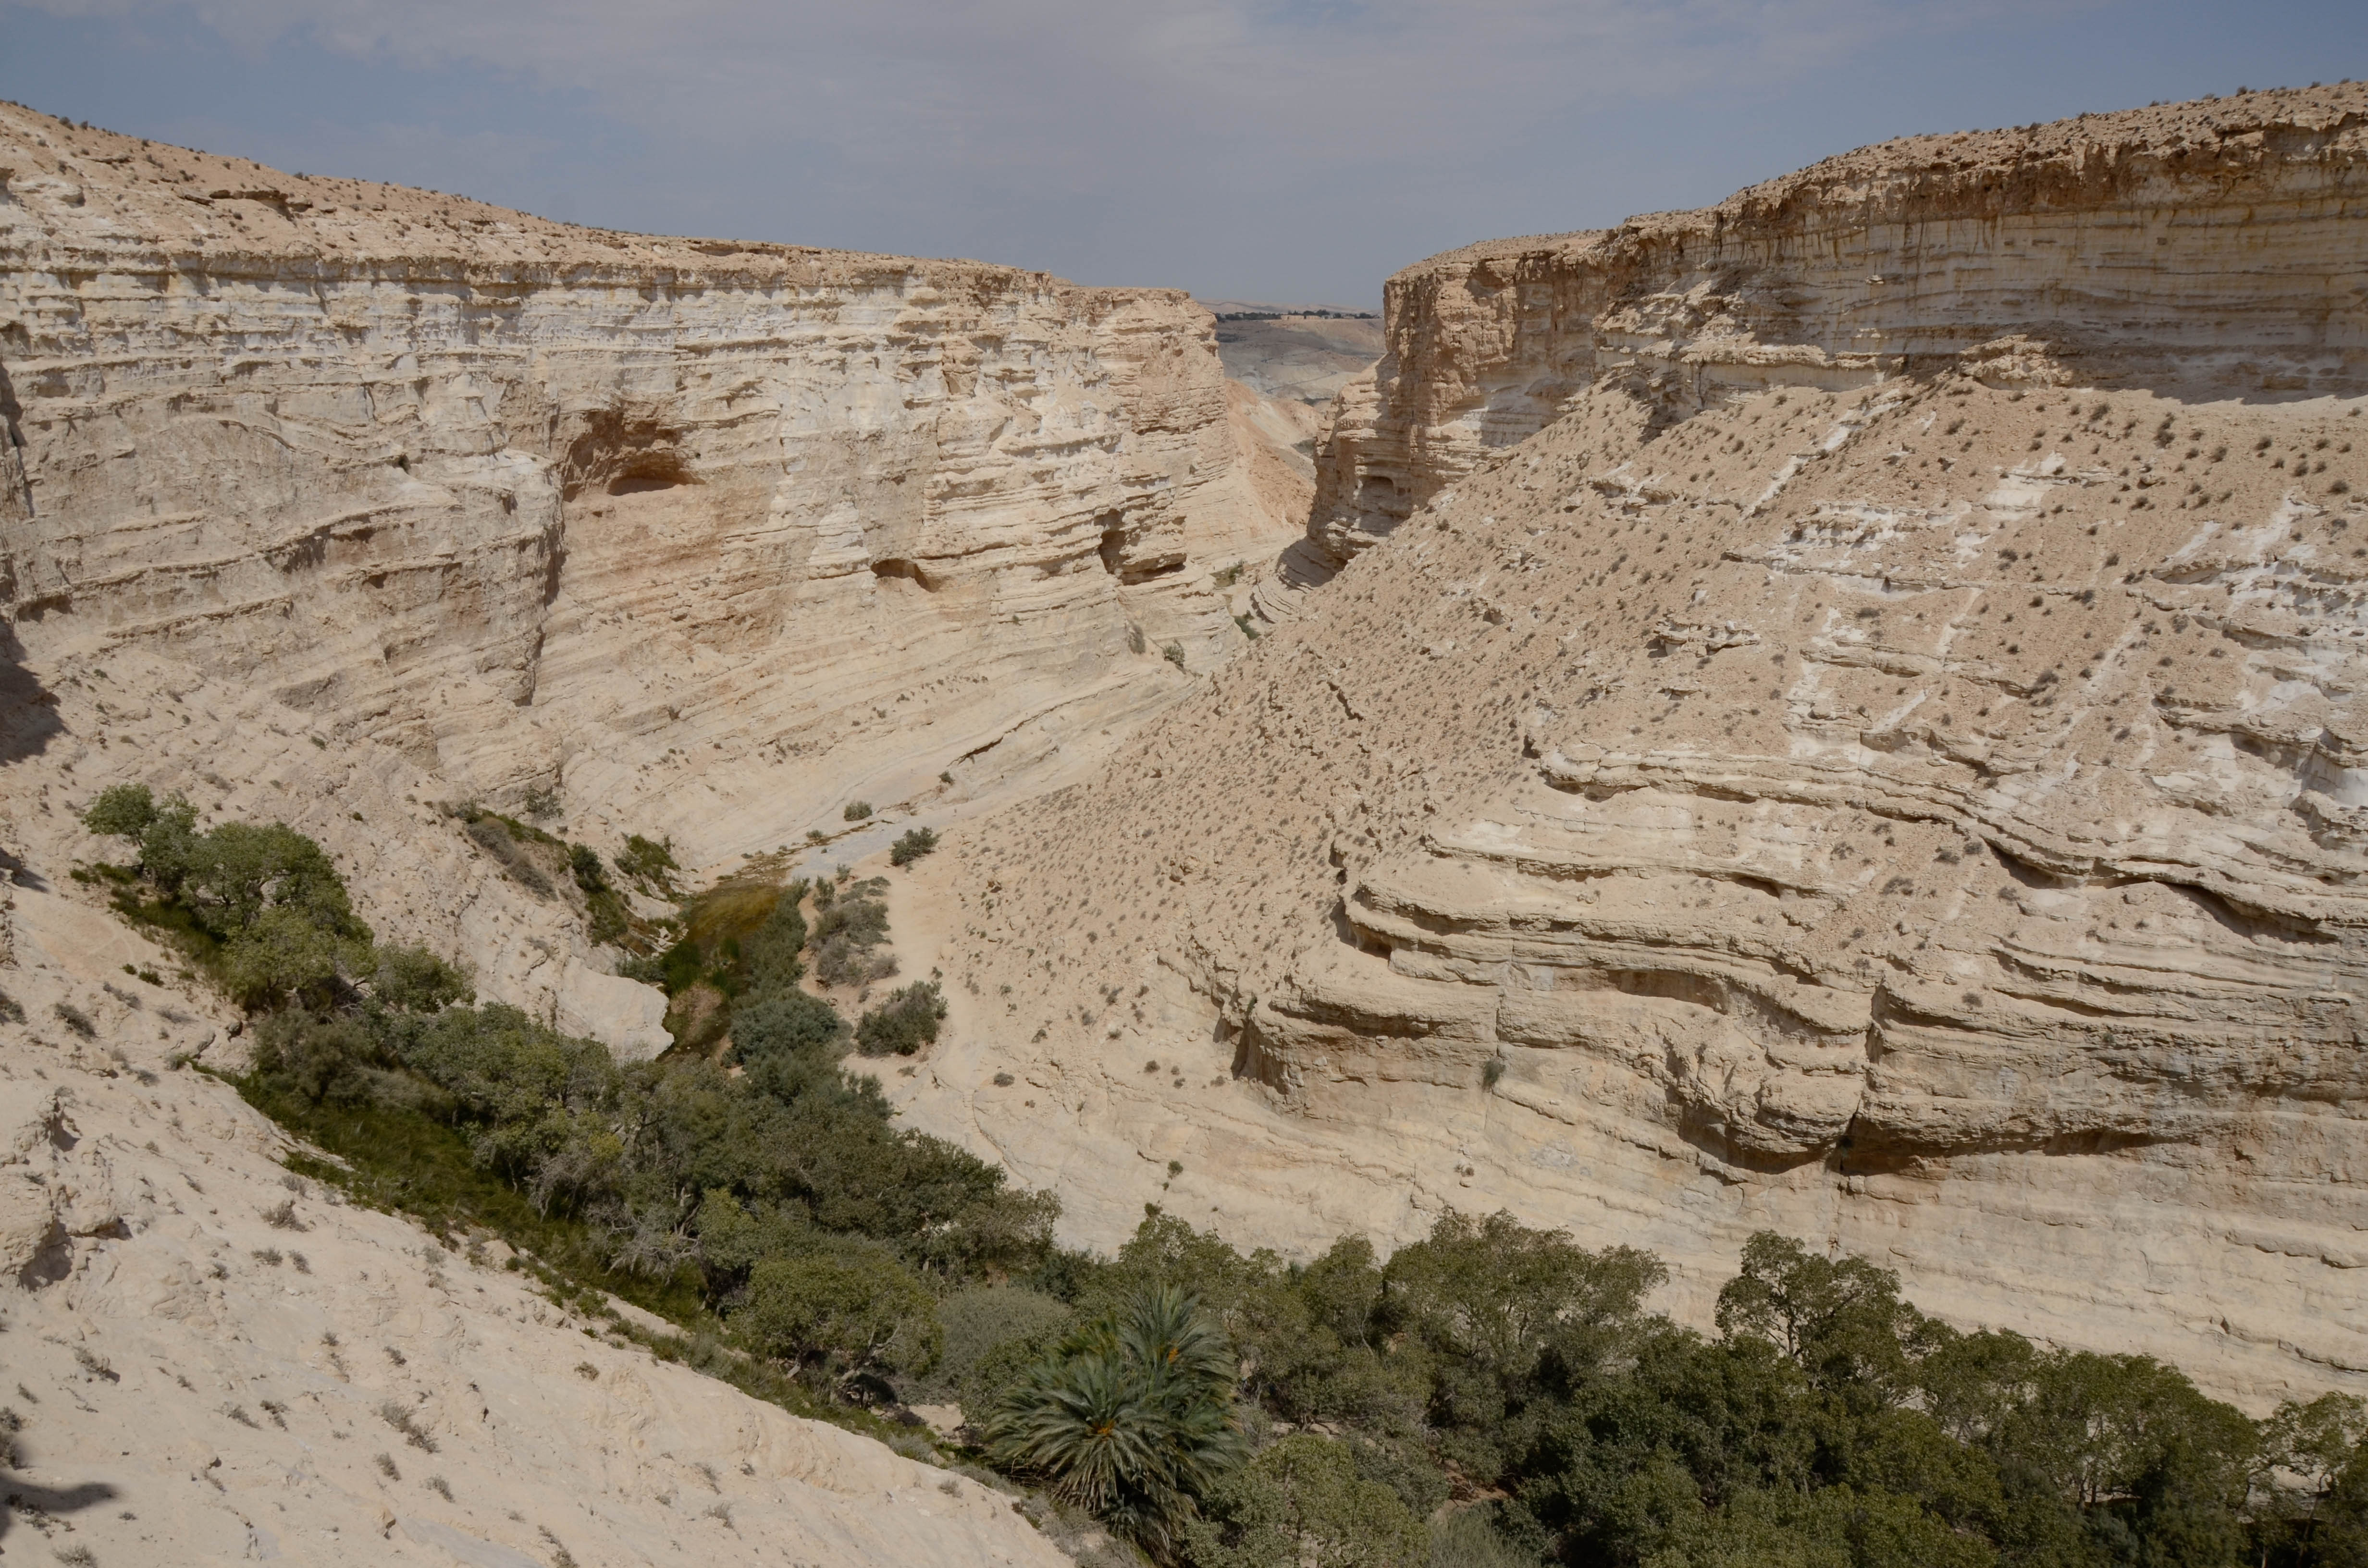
{"points": [[1839, 712], [386, 497], [2198, 246]]}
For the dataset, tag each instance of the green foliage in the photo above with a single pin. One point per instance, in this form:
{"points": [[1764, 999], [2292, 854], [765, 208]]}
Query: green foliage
{"points": [[1132, 1417], [791, 1153], [262, 908], [1841, 1320], [416, 980], [911, 844], [857, 811], [741, 942], [1468, 1538], [906, 1021], [849, 1312], [124, 810], [784, 1028], [1174, 655], [511, 845], [769, 955], [648, 861], [584, 862], [994, 1336], [1303, 1503], [1829, 1424]]}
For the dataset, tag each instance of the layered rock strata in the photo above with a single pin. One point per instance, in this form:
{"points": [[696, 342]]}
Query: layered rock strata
{"points": [[2202, 249], [1915, 804], [704, 538]]}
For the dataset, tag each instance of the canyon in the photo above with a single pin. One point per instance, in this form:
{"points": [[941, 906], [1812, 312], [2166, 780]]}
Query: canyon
{"points": [[701, 540], [1836, 712]]}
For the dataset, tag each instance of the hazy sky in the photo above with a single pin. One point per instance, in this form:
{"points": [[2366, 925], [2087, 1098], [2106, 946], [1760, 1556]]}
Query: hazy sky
{"points": [[1269, 149]]}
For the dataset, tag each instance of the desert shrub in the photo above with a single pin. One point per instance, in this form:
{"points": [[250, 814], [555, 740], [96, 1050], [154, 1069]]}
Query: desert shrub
{"points": [[1305, 1501], [122, 810], [650, 968], [636, 1152], [911, 844], [740, 942], [584, 863], [849, 926], [281, 956], [857, 811], [770, 954], [416, 980], [906, 1021], [1174, 655], [994, 1335], [841, 1315], [505, 842], [648, 861], [1466, 1539], [261, 907]]}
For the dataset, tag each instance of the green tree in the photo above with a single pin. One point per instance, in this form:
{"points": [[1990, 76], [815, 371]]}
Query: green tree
{"points": [[416, 980], [1841, 1318], [123, 809], [1303, 1503], [840, 1314], [1488, 1300], [1131, 1417], [283, 956], [2319, 1443]]}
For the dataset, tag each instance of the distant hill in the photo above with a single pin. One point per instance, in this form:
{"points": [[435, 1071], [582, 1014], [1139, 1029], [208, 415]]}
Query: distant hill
{"points": [[1303, 352]]}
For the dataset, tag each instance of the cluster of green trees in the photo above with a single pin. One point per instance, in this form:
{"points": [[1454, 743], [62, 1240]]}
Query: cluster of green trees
{"points": [[779, 1193], [1827, 1424], [1491, 1395], [261, 909]]}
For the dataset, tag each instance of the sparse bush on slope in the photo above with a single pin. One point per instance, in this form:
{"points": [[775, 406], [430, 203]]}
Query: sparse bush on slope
{"points": [[903, 1023]]}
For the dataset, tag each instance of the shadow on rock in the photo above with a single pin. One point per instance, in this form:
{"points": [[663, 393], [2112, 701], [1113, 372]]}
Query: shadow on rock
{"points": [[38, 1504], [28, 711]]}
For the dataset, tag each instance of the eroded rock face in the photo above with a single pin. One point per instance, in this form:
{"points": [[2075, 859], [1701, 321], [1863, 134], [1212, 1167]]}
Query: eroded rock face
{"points": [[705, 539], [2093, 236], [1918, 811]]}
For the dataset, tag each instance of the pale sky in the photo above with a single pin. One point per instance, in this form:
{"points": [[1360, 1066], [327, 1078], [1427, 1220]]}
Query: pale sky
{"points": [[1285, 150]]}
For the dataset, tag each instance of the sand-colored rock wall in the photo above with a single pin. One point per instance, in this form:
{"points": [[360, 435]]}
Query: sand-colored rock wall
{"points": [[707, 538], [1911, 804], [2206, 249]]}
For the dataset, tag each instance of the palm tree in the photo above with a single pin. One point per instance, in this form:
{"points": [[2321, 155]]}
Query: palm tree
{"points": [[1131, 1417]]}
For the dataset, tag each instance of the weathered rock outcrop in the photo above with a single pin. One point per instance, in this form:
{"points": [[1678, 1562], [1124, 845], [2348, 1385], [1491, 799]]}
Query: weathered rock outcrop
{"points": [[2197, 249], [704, 537], [1777, 754]]}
